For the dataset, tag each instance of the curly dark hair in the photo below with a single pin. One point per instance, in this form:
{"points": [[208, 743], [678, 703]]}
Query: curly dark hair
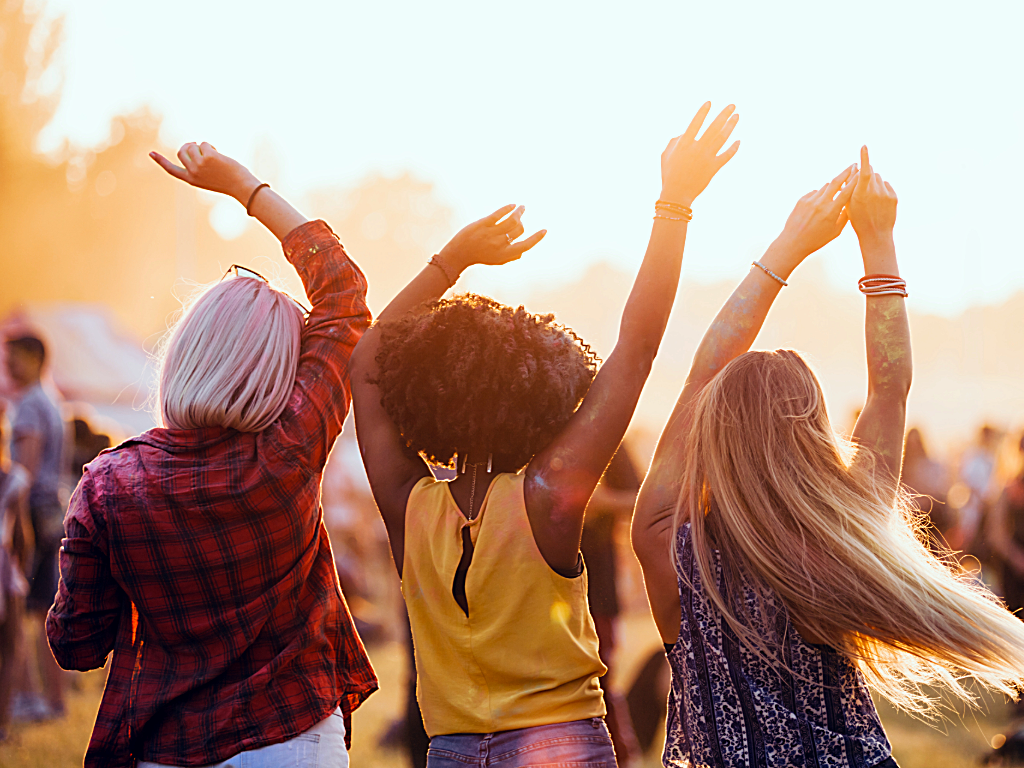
{"points": [[471, 376]]}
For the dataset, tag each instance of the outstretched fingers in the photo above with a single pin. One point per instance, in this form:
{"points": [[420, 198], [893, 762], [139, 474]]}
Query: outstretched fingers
{"points": [[498, 215], [723, 136], [726, 156], [175, 170], [846, 192], [521, 247], [865, 170], [834, 186], [698, 120], [718, 124]]}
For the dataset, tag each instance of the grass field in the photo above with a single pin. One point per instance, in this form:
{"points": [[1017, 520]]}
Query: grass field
{"points": [[957, 744]]}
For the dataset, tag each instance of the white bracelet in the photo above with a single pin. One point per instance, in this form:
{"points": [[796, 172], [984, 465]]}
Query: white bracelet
{"points": [[768, 272]]}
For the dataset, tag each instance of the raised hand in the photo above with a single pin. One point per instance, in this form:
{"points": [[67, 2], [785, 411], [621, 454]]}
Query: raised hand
{"points": [[491, 240], [819, 216], [204, 167], [688, 164], [873, 205]]}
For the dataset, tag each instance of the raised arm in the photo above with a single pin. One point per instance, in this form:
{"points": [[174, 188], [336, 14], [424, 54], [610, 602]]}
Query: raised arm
{"points": [[390, 467], [204, 167], [882, 423], [561, 478], [817, 219], [308, 427]]}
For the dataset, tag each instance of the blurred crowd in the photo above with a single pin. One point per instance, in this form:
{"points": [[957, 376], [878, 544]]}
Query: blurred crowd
{"points": [[971, 500]]}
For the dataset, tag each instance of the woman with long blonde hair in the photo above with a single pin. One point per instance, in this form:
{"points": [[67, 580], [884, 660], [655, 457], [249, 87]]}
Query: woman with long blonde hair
{"points": [[785, 571]]}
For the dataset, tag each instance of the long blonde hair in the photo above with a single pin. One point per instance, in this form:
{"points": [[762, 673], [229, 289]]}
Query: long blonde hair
{"points": [[797, 511], [231, 359]]}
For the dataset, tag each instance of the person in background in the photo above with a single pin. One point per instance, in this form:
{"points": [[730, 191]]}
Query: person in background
{"points": [[1005, 534], [196, 552], [506, 651], [37, 444], [16, 546], [612, 502], [977, 474], [86, 446], [928, 481], [1005, 537], [781, 560]]}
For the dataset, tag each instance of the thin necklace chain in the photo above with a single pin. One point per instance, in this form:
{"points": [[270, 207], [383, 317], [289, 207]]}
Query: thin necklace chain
{"points": [[472, 492]]}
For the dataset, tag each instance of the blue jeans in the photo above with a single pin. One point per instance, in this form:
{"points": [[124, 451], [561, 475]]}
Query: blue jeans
{"points": [[322, 746], [581, 744]]}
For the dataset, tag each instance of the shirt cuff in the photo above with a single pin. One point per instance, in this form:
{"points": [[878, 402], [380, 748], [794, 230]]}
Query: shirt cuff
{"points": [[308, 239]]}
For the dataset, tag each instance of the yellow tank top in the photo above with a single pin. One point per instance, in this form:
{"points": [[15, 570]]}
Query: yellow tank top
{"points": [[526, 654]]}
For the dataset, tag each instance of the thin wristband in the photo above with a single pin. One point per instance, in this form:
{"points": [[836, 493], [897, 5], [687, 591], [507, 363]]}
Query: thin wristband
{"points": [[438, 262], [665, 206], [248, 205], [768, 272]]}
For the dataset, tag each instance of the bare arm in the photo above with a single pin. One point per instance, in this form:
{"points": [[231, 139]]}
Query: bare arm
{"points": [[391, 470], [617, 501], [305, 432], [204, 167], [882, 423], [817, 219], [18, 534], [561, 478]]}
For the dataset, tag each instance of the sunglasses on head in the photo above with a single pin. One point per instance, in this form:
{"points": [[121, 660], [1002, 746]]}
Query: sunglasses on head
{"points": [[237, 270]]}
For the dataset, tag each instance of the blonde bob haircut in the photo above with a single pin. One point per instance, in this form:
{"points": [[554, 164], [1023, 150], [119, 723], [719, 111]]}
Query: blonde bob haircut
{"points": [[800, 512], [230, 361]]}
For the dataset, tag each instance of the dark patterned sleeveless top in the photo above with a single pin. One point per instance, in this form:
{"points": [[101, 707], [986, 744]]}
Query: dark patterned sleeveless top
{"points": [[728, 708]]}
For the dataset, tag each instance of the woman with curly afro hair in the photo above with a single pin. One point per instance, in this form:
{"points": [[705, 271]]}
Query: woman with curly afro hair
{"points": [[506, 652]]}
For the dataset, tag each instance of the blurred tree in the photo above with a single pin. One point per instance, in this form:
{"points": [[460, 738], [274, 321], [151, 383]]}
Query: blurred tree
{"points": [[29, 81], [104, 225], [101, 225], [391, 226]]}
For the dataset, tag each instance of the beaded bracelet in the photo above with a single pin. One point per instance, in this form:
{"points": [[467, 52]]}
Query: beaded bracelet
{"points": [[438, 262], [883, 285], [768, 272], [666, 206]]}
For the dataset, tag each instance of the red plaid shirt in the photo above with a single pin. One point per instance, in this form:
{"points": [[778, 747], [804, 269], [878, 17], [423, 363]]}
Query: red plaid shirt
{"points": [[199, 557]]}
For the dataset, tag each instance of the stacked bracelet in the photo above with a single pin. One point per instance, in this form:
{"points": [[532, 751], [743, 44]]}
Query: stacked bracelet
{"points": [[438, 262], [663, 209], [768, 272], [883, 285], [248, 205]]}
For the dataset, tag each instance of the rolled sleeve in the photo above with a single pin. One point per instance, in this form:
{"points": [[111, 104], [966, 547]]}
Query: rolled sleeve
{"points": [[322, 395]]}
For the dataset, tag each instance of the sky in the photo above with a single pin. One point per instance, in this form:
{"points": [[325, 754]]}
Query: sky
{"points": [[565, 108]]}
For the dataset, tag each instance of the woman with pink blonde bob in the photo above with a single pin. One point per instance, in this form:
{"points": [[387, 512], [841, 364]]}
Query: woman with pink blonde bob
{"points": [[196, 552], [231, 360]]}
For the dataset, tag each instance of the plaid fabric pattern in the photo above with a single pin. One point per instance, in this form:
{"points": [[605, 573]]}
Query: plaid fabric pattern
{"points": [[199, 557]]}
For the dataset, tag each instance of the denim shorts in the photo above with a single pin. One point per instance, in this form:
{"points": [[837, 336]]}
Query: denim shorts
{"points": [[580, 744], [322, 746]]}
